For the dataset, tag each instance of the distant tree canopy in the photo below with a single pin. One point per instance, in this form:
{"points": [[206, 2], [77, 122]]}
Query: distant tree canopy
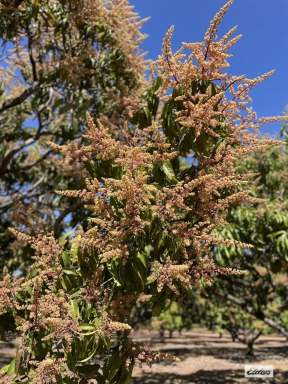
{"points": [[256, 300], [59, 60], [262, 291], [152, 177]]}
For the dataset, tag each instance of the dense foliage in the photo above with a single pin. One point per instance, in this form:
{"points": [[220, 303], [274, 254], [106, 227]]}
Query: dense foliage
{"points": [[156, 182], [255, 302], [262, 291], [59, 59]]}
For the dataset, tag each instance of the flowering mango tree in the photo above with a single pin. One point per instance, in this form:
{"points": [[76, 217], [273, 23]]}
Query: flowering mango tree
{"points": [[158, 183]]}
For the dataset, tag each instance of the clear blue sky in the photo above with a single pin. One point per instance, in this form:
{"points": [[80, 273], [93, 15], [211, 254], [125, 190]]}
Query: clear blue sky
{"points": [[264, 45]]}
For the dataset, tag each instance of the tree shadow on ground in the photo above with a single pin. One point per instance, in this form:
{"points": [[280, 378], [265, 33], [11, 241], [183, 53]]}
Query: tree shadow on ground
{"points": [[190, 341], [232, 353], [209, 377], [7, 350], [268, 352]]}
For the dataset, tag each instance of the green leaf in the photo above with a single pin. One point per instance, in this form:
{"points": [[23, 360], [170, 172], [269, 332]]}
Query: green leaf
{"points": [[75, 309], [89, 357], [9, 369], [168, 171], [112, 365], [87, 327], [71, 272]]}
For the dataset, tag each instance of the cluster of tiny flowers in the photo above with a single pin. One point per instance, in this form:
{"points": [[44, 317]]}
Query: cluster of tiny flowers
{"points": [[47, 372], [8, 290], [217, 185], [108, 327], [46, 258], [47, 309], [168, 275], [149, 357], [142, 197]]}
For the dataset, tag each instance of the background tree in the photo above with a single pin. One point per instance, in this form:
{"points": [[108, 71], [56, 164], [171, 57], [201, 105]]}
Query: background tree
{"points": [[171, 319], [59, 60], [261, 292], [256, 302]]}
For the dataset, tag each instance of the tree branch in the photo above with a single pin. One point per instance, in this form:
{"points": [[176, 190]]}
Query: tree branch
{"points": [[28, 166], [61, 217], [19, 99], [259, 315]]}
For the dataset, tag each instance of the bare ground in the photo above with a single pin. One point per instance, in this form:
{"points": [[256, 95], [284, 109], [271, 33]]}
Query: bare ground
{"points": [[204, 358]]}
